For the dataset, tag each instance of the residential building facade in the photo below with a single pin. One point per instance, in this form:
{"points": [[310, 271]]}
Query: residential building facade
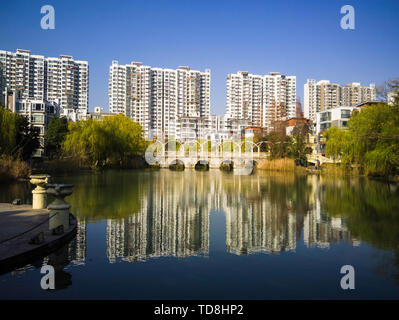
{"points": [[260, 99], [323, 95], [38, 112], [336, 117], [158, 98], [63, 80], [392, 96]]}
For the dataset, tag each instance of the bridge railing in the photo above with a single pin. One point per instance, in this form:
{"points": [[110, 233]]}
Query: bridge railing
{"points": [[246, 149]]}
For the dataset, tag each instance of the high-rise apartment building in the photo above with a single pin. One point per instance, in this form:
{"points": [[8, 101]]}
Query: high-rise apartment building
{"points": [[158, 98], [244, 97], [62, 80], [260, 99], [323, 95], [279, 99]]}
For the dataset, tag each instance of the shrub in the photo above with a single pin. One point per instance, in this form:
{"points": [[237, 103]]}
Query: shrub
{"points": [[11, 169]]}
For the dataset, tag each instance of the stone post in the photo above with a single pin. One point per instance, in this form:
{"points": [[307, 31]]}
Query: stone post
{"points": [[59, 209], [39, 193]]}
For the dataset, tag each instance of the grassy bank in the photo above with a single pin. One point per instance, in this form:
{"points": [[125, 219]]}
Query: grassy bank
{"points": [[72, 165], [11, 169], [280, 165], [342, 170]]}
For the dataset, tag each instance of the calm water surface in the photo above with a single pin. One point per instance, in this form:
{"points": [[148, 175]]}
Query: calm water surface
{"points": [[164, 234]]}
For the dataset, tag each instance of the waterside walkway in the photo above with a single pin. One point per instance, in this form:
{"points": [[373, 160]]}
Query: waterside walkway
{"points": [[19, 224]]}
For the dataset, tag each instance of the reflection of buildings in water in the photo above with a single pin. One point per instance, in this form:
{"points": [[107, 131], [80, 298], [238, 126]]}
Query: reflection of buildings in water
{"points": [[260, 217], [174, 221], [270, 225], [77, 247], [179, 234], [321, 230], [259, 227]]}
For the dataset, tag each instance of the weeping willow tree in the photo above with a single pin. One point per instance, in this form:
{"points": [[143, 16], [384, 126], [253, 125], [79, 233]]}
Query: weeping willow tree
{"points": [[112, 140], [370, 141], [8, 132], [18, 138]]}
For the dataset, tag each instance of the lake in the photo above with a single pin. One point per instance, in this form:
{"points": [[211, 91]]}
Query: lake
{"points": [[216, 235]]}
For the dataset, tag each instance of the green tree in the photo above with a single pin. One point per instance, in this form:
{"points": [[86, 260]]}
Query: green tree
{"points": [[279, 145], [338, 144], [55, 136], [112, 140], [18, 138], [299, 146], [8, 131], [371, 140], [27, 138]]}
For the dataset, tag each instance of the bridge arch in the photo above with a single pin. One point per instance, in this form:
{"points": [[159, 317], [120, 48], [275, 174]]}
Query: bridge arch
{"points": [[177, 165], [155, 153], [226, 165], [202, 165]]}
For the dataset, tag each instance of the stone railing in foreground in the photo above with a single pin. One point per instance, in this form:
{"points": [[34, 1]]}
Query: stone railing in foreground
{"points": [[59, 214], [30, 232]]}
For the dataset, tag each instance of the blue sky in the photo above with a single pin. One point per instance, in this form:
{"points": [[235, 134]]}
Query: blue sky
{"points": [[301, 38]]}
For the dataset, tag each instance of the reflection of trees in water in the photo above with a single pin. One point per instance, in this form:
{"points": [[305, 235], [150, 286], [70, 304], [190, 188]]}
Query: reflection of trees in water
{"points": [[388, 265], [108, 194], [16, 190], [167, 213], [263, 214], [321, 230], [370, 208], [371, 211]]}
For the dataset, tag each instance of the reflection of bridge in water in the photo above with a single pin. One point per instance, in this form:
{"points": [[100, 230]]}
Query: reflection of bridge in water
{"points": [[239, 154], [174, 219]]}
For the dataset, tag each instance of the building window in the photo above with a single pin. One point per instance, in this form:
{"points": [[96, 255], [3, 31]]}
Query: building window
{"points": [[325, 116], [37, 118], [345, 114], [325, 126], [20, 106]]}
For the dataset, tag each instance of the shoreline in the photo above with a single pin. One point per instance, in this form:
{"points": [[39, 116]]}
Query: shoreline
{"points": [[331, 170]]}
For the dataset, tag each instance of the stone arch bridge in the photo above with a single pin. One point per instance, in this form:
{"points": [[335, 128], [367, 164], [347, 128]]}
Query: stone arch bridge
{"points": [[239, 154]]}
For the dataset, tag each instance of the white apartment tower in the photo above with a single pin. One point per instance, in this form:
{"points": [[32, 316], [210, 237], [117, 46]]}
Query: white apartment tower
{"points": [[60, 80], [244, 97], [68, 82], [260, 99], [157, 98], [279, 98], [323, 95]]}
